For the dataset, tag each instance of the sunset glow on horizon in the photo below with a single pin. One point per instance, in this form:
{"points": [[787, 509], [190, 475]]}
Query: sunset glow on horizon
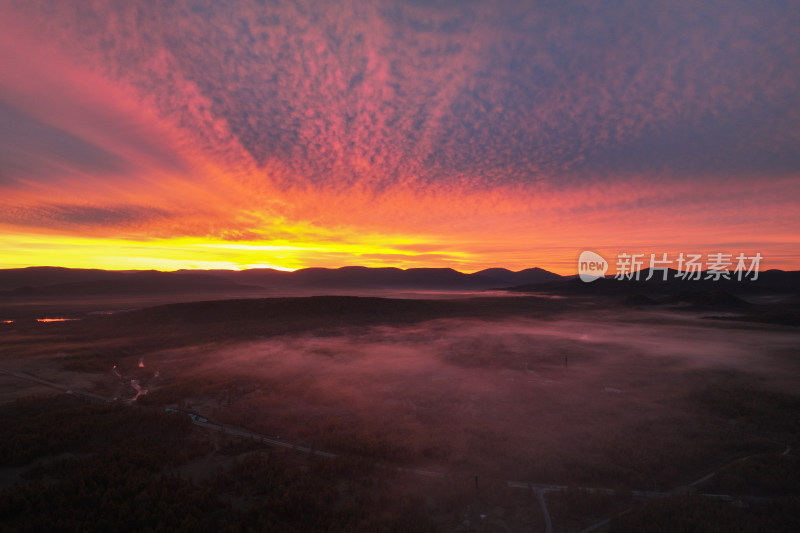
{"points": [[207, 135]]}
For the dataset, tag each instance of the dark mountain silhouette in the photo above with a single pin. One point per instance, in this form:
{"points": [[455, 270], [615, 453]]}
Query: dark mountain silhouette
{"points": [[529, 275], [264, 277], [773, 298], [142, 282], [389, 277], [359, 277], [15, 278], [769, 282], [43, 281]]}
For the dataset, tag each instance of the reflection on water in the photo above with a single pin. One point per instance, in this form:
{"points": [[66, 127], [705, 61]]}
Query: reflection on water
{"points": [[6, 321], [55, 319]]}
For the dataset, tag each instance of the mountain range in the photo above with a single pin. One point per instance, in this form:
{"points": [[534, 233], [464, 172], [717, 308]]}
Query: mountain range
{"points": [[766, 283], [55, 281], [44, 281]]}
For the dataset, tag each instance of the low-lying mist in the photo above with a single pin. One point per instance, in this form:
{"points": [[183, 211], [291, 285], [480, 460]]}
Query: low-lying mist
{"points": [[603, 399]]}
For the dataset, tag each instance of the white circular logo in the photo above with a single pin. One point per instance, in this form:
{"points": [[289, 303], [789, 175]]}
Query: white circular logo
{"points": [[591, 266]]}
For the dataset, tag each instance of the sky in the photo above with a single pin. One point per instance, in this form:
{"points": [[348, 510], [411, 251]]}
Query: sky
{"points": [[462, 134]]}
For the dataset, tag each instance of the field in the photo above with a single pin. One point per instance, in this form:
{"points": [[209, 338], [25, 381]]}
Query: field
{"points": [[594, 406]]}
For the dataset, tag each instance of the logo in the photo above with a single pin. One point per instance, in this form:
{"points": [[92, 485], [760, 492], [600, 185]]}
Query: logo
{"points": [[717, 266], [591, 266]]}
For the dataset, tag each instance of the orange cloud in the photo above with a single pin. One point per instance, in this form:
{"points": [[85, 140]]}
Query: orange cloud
{"points": [[389, 134]]}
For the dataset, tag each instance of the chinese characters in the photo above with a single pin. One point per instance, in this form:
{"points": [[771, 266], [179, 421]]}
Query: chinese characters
{"points": [[690, 266]]}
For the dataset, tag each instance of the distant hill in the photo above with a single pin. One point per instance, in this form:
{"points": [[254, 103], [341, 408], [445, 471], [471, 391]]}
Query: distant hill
{"points": [[15, 278], [96, 282], [529, 275], [770, 282], [149, 281], [44, 281], [359, 277], [363, 277]]}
